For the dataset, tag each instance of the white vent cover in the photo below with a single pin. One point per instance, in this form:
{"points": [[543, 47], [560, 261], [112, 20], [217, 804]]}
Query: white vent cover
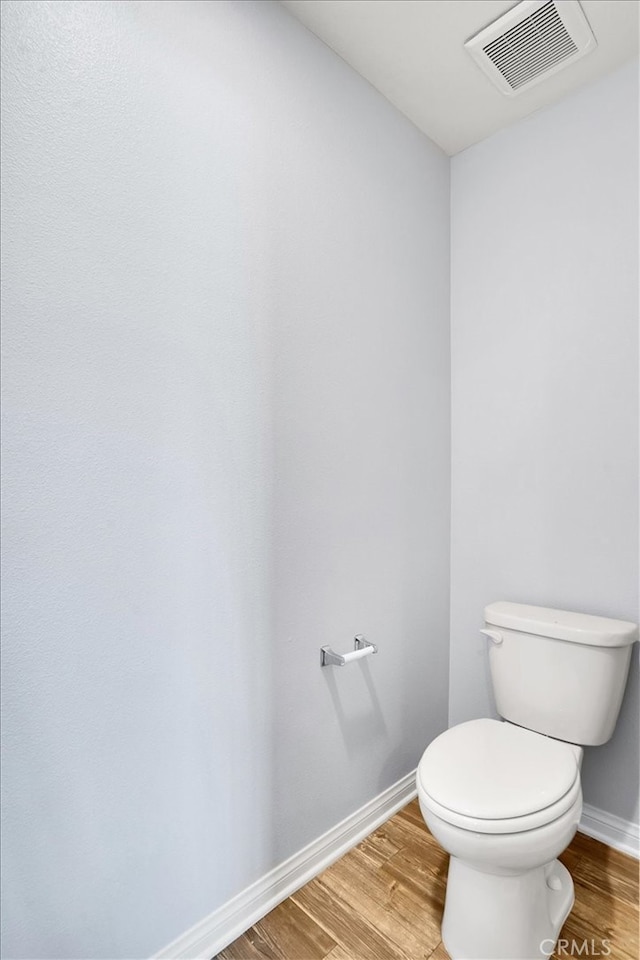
{"points": [[531, 42]]}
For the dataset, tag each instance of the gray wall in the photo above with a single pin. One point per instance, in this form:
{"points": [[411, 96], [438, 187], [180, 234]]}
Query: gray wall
{"points": [[226, 442], [544, 389]]}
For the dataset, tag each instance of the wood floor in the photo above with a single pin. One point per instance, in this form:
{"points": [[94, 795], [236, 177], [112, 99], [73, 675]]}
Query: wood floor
{"points": [[384, 901]]}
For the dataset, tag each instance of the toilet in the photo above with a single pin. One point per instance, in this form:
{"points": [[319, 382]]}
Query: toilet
{"points": [[503, 797]]}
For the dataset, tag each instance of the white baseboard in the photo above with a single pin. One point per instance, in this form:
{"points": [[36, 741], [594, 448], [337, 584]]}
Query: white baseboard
{"points": [[226, 923], [614, 831], [221, 927]]}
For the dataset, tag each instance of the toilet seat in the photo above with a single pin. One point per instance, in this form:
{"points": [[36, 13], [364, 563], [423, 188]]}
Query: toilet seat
{"points": [[493, 777]]}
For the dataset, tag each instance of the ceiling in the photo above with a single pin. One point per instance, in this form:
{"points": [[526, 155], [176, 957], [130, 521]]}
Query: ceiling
{"points": [[412, 52]]}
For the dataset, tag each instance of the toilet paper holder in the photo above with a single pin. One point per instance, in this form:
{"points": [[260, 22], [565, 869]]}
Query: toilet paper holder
{"points": [[361, 648]]}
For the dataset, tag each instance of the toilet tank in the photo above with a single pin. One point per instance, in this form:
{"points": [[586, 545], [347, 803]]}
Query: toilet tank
{"points": [[558, 673]]}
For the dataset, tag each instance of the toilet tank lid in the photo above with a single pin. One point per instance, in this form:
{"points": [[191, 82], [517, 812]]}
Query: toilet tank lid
{"points": [[561, 624]]}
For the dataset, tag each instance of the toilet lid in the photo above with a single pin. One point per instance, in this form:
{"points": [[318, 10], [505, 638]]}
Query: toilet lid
{"points": [[491, 770]]}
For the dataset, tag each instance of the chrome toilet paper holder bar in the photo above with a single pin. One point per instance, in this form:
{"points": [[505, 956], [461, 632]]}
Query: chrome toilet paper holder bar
{"points": [[361, 648]]}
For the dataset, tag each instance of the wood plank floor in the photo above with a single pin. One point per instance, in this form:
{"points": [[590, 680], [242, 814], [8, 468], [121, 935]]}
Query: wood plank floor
{"points": [[383, 901]]}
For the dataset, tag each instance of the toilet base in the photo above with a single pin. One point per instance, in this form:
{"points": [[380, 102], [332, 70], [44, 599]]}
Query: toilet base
{"points": [[505, 917]]}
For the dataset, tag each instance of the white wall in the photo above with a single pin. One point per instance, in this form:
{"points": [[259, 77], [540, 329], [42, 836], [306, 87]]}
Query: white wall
{"points": [[544, 389], [226, 442]]}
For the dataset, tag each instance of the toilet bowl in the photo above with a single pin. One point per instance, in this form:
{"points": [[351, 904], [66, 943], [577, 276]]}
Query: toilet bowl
{"points": [[503, 797], [504, 802]]}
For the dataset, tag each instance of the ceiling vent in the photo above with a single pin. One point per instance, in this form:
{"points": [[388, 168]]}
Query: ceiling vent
{"points": [[530, 42]]}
